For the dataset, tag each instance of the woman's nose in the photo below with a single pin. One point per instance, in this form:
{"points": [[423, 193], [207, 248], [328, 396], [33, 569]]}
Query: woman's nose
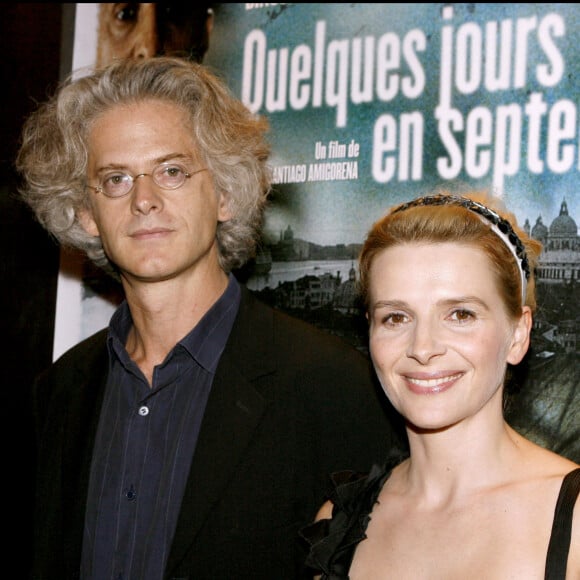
{"points": [[425, 342]]}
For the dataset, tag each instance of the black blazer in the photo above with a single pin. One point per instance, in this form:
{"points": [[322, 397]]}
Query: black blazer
{"points": [[289, 405]]}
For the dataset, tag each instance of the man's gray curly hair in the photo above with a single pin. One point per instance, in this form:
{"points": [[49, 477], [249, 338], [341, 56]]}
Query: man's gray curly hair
{"points": [[231, 141]]}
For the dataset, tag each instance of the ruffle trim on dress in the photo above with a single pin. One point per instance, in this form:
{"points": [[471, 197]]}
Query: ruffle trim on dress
{"points": [[333, 541]]}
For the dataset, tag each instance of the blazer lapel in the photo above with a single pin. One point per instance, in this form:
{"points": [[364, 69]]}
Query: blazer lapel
{"points": [[235, 406]]}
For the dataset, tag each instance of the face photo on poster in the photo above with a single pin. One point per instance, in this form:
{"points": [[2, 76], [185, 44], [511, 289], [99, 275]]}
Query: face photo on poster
{"points": [[374, 104], [143, 30]]}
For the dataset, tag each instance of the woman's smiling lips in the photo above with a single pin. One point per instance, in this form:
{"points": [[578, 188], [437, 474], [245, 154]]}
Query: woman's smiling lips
{"points": [[431, 384]]}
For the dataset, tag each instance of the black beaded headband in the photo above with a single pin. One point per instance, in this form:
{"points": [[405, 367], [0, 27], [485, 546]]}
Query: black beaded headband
{"points": [[500, 226]]}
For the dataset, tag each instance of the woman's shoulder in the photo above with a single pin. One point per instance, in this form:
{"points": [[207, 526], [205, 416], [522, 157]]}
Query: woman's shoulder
{"points": [[535, 462]]}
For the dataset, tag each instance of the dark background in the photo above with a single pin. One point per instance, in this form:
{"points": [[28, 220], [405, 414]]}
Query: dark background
{"points": [[31, 37]]}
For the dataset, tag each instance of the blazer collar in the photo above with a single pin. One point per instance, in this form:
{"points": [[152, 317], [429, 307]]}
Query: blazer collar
{"points": [[235, 403]]}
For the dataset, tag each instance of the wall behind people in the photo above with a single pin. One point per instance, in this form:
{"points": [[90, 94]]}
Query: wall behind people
{"points": [[30, 43], [371, 104]]}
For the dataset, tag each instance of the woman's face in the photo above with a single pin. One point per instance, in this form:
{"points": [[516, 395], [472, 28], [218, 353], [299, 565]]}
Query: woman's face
{"points": [[440, 337]]}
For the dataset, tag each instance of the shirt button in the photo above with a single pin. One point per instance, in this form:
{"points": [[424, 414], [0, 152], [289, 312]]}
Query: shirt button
{"points": [[131, 494], [143, 411]]}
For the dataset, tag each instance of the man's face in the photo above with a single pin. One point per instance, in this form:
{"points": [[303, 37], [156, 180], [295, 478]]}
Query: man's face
{"points": [[152, 29], [152, 233]]}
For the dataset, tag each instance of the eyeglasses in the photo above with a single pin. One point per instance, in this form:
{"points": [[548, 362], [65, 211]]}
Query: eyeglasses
{"points": [[166, 175]]}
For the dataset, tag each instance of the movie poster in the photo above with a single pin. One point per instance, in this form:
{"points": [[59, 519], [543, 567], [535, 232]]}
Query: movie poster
{"points": [[373, 104]]}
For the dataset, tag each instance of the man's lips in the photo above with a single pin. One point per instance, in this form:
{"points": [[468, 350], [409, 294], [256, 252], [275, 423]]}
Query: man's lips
{"points": [[149, 233], [432, 384]]}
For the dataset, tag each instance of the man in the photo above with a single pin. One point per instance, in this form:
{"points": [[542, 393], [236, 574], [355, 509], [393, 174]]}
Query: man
{"points": [[142, 30], [195, 435]]}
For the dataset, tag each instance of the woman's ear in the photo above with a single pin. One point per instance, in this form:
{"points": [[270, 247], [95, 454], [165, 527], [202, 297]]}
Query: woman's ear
{"points": [[521, 337]]}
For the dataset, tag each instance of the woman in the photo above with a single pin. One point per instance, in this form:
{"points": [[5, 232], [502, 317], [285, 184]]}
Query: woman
{"points": [[449, 294]]}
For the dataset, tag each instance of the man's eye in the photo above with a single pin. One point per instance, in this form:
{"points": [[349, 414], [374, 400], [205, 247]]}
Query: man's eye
{"points": [[173, 171], [116, 179], [175, 11], [128, 13]]}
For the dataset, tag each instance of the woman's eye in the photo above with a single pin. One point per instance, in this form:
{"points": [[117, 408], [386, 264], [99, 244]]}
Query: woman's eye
{"points": [[394, 319], [462, 315]]}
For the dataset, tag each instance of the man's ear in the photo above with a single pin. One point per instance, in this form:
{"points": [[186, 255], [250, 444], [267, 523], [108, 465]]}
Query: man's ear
{"points": [[224, 210], [521, 337], [87, 221]]}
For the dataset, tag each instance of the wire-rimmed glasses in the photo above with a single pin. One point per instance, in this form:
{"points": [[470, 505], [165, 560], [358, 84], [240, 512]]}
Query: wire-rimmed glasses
{"points": [[117, 184]]}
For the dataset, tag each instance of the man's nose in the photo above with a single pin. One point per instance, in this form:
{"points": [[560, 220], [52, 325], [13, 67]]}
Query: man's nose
{"points": [[146, 42], [145, 195]]}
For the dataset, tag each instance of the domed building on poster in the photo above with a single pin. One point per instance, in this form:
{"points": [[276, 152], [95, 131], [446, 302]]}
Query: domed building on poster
{"points": [[557, 274], [560, 258]]}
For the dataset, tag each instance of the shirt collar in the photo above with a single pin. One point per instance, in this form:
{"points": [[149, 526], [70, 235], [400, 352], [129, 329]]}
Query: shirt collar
{"points": [[205, 342]]}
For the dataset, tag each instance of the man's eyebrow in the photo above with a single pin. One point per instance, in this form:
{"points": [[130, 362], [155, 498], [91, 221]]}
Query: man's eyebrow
{"points": [[171, 156], [154, 162]]}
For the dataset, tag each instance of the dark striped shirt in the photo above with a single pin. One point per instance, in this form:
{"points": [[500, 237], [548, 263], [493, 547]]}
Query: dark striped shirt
{"points": [[144, 445]]}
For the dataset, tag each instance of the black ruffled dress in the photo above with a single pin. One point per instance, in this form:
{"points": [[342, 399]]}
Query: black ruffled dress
{"points": [[333, 541]]}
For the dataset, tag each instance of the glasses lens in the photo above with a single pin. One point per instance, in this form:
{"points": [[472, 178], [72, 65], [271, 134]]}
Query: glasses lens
{"points": [[169, 176], [117, 184]]}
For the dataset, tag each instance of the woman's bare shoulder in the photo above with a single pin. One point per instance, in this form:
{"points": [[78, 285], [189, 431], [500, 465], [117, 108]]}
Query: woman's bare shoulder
{"points": [[325, 511]]}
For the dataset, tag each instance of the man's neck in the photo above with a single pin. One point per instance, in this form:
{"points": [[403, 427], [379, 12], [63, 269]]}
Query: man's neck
{"points": [[163, 313]]}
